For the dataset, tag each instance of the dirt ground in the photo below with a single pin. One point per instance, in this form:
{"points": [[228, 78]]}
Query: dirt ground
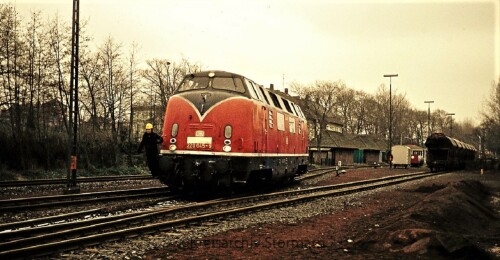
{"points": [[454, 216]]}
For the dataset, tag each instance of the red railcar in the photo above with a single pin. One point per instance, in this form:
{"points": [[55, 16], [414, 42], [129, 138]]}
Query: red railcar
{"points": [[223, 129]]}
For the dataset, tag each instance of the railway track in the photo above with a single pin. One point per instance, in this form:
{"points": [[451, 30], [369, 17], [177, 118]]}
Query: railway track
{"points": [[79, 180], [20, 204], [63, 237], [317, 172]]}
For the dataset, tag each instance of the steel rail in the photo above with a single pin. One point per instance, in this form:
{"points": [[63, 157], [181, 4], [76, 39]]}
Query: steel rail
{"points": [[20, 248], [79, 180], [18, 204]]}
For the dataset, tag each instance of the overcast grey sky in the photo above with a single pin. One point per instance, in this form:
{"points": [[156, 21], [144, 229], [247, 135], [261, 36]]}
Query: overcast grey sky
{"points": [[445, 51]]}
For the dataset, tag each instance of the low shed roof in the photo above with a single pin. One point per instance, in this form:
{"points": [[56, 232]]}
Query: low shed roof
{"points": [[333, 139]]}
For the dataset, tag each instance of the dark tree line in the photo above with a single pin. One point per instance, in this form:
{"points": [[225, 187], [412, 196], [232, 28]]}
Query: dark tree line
{"points": [[489, 129], [35, 59], [362, 113]]}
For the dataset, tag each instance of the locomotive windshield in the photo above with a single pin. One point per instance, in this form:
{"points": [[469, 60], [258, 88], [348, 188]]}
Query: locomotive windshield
{"points": [[201, 82], [233, 84], [192, 83]]}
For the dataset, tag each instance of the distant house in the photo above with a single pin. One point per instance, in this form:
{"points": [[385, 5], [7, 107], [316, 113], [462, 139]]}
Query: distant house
{"points": [[337, 148], [371, 149]]}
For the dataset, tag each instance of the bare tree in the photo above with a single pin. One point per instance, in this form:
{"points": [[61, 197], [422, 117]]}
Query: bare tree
{"points": [[112, 81], [12, 79], [91, 70], [382, 111], [9, 55], [35, 59], [163, 77], [59, 44], [345, 107], [416, 126], [320, 101], [490, 124], [401, 118], [157, 75], [133, 81]]}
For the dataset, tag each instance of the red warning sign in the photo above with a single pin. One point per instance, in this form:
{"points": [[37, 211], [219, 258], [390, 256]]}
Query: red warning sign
{"points": [[73, 162]]}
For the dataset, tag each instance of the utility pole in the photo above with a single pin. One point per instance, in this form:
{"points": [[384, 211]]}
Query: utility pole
{"points": [[429, 117], [451, 123], [72, 186], [390, 76], [283, 81]]}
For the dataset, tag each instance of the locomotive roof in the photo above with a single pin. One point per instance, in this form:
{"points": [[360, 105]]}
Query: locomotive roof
{"points": [[226, 74], [219, 73]]}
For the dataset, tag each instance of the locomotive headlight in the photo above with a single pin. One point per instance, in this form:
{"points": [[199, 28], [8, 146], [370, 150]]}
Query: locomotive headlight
{"points": [[175, 129], [172, 147], [226, 148], [228, 131], [227, 142], [173, 140]]}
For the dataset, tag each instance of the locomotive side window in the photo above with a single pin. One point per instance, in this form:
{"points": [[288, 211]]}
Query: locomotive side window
{"points": [[292, 106], [232, 84], [281, 102], [261, 97], [252, 90], [281, 121], [301, 114], [287, 105], [264, 95], [191, 83], [275, 100], [291, 122]]}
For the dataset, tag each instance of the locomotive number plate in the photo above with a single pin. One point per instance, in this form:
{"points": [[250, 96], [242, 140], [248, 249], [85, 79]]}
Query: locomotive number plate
{"points": [[199, 143]]}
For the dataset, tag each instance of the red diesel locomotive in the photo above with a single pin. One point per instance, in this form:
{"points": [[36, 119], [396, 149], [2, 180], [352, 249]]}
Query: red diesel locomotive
{"points": [[222, 129]]}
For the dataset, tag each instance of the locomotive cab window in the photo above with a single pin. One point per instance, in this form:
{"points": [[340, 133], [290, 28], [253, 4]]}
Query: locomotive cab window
{"points": [[192, 83], [231, 84]]}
